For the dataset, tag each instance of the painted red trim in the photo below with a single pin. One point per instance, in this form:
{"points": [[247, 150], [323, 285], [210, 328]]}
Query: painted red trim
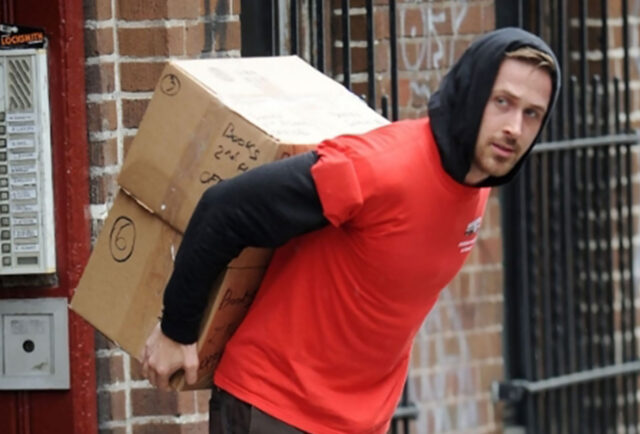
{"points": [[73, 411], [76, 185]]}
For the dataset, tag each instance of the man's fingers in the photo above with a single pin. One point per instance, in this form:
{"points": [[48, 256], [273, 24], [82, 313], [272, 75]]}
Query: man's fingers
{"points": [[191, 364], [162, 380]]}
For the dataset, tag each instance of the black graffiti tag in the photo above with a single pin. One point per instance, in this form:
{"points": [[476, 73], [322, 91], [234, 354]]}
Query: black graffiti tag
{"points": [[122, 239]]}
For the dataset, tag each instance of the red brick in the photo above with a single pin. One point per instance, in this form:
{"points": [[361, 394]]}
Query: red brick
{"points": [[195, 39], [98, 10], [98, 42], [95, 228], [99, 78], [172, 428], [133, 111], [153, 41], [111, 406], [227, 35], [101, 116], [381, 23], [109, 370], [102, 188], [149, 402], [135, 369], [136, 10], [202, 399], [472, 21], [116, 430], [140, 76], [157, 428], [183, 9], [412, 22]]}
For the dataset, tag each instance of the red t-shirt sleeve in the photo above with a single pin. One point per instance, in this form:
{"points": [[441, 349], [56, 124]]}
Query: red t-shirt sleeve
{"points": [[337, 182]]}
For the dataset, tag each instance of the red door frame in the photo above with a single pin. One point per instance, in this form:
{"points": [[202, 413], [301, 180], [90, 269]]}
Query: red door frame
{"points": [[72, 411]]}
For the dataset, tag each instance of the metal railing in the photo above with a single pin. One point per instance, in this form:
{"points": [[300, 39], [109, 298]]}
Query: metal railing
{"points": [[571, 351]]}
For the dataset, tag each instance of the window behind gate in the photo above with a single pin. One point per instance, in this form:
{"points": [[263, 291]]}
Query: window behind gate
{"points": [[570, 316]]}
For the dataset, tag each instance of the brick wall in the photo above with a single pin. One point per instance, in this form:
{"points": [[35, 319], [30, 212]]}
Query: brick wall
{"points": [[458, 350], [127, 44]]}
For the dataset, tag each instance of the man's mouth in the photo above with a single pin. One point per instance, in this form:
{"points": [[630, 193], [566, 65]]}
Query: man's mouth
{"points": [[503, 150]]}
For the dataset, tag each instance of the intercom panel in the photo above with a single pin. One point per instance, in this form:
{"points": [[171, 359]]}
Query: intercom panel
{"points": [[27, 231]]}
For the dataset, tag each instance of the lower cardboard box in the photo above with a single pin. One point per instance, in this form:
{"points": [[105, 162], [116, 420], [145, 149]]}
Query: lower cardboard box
{"points": [[120, 292]]}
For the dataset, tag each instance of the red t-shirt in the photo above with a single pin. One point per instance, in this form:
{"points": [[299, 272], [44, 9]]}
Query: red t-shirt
{"points": [[325, 346]]}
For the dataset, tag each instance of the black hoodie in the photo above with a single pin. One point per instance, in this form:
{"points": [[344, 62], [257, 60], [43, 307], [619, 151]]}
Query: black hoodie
{"points": [[456, 108], [269, 205]]}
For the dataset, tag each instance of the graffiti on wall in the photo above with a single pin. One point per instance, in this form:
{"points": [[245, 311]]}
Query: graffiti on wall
{"points": [[431, 345], [433, 50]]}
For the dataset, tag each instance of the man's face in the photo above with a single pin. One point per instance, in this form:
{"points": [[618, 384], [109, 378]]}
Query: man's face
{"points": [[511, 119]]}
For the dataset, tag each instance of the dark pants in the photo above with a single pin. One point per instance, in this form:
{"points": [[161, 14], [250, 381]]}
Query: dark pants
{"points": [[229, 415]]}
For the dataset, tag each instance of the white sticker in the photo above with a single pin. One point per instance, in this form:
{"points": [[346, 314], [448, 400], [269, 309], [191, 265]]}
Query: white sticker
{"points": [[21, 156], [21, 117], [23, 181], [22, 129], [21, 143], [26, 248], [23, 194], [25, 233], [25, 221], [27, 207], [22, 169]]}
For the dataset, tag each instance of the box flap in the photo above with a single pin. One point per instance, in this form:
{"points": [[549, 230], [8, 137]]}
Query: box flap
{"points": [[285, 97]]}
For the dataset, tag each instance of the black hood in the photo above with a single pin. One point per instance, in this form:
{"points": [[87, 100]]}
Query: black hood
{"points": [[456, 108]]}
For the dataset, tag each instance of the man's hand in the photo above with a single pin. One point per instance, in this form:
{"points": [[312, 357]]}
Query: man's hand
{"points": [[163, 356]]}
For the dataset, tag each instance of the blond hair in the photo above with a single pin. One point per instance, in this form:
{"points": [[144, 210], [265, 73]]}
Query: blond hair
{"points": [[531, 55]]}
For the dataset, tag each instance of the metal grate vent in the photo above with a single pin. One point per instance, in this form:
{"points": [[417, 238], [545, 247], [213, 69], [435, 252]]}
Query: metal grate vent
{"points": [[20, 84]]}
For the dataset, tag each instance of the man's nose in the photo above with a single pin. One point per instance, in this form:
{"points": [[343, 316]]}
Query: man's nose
{"points": [[513, 125]]}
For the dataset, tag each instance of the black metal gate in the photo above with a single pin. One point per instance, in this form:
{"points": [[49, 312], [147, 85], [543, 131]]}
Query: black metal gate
{"points": [[301, 27], [570, 345]]}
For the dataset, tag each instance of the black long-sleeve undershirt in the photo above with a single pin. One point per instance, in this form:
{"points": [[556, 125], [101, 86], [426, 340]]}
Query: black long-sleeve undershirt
{"points": [[264, 207]]}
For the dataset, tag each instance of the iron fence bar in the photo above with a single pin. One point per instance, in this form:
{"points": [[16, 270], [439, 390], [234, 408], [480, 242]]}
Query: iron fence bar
{"points": [[532, 316], [293, 24], [587, 142], [609, 294], [632, 316], [371, 79], [346, 44], [393, 40], [569, 242], [546, 287], [580, 308], [625, 67], [514, 389], [556, 193], [320, 35], [604, 47], [563, 44], [275, 35], [583, 66], [595, 335], [520, 13], [621, 262]]}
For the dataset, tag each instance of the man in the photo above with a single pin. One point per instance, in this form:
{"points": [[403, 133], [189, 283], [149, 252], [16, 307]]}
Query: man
{"points": [[371, 228]]}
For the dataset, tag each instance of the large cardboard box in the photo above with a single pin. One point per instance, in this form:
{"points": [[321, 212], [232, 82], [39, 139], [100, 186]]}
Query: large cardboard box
{"points": [[208, 120]]}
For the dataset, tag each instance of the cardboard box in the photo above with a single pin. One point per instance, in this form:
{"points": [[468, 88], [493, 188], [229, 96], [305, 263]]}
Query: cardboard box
{"points": [[208, 120]]}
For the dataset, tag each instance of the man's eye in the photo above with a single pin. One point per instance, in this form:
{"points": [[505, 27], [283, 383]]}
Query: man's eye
{"points": [[501, 101], [533, 114]]}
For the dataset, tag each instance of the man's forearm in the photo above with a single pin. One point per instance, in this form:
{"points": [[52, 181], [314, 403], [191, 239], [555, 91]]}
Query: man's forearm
{"points": [[264, 207]]}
